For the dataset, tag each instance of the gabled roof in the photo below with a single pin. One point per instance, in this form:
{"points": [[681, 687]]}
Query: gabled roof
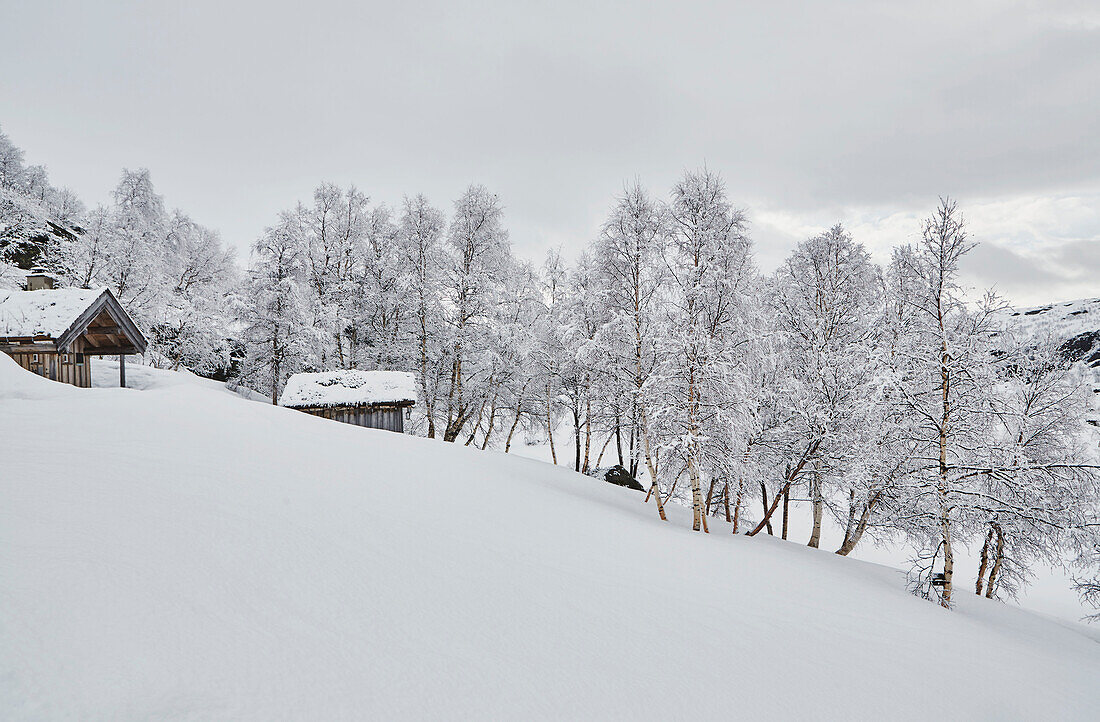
{"points": [[63, 315], [349, 388]]}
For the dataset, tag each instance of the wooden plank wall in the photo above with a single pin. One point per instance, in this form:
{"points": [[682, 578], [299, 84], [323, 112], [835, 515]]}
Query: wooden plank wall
{"points": [[69, 368], [388, 418]]}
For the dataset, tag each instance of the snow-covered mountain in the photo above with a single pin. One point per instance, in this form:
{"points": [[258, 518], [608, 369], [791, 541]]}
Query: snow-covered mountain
{"points": [[180, 553], [1075, 327], [1075, 323]]}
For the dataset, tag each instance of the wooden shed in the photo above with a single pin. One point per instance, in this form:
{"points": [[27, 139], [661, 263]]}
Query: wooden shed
{"points": [[54, 332], [374, 399]]}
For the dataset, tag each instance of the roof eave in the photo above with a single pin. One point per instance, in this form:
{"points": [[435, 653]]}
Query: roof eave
{"points": [[364, 405]]}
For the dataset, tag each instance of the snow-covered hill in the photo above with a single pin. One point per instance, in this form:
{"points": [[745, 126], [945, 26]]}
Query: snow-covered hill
{"points": [[175, 553], [1076, 324], [1061, 320]]}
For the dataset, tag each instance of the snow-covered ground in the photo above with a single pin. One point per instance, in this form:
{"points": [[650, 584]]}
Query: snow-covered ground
{"points": [[1050, 592], [176, 553], [105, 376]]}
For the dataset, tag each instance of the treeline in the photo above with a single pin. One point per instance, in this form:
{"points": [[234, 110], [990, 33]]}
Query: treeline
{"points": [[880, 394]]}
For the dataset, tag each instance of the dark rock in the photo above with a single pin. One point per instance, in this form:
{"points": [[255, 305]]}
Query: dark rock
{"points": [[1082, 347], [618, 476]]}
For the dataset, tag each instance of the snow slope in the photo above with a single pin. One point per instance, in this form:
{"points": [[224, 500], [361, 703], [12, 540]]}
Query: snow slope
{"points": [[1049, 591], [177, 554], [105, 375]]}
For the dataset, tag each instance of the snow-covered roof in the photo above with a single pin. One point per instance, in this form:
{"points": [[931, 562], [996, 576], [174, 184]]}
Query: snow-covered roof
{"points": [[349, 388], [43, 313]]}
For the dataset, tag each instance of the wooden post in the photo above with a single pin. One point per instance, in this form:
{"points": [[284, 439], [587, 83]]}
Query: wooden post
{"points": [[122, 371]]}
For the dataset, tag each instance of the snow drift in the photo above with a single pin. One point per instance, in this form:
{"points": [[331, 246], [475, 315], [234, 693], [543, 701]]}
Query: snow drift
{"points": [[179, 553]]}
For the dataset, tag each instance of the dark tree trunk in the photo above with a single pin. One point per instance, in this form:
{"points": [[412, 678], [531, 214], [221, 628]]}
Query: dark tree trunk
{"points": [[577, 438], [619, 439], [767, 521], [710, 496], [737, 504], [791, 476], [786, 508]]}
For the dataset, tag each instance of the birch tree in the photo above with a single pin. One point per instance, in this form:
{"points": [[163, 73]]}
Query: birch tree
{"points": [[706, 332], [1038, 490], [946, 390], [478, 243], [277, 338], [421, 234], [629, 250], [828, 309]]}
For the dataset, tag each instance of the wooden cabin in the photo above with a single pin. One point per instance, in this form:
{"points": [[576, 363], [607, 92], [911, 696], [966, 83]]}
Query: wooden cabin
{"points": [[54, 332], [374, 399]]}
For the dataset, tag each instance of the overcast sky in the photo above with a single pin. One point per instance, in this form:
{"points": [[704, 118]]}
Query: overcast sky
{"points": [[860, 112]]}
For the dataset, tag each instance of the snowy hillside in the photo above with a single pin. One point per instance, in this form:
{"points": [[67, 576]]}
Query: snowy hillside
{"points": [[1061, 320], [176, 553], [1076, 324]]}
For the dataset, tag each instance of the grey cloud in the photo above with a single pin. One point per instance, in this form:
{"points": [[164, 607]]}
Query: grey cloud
{"points": [[241, 108], [1077, 259], [1059, 273], [1004, 270]]}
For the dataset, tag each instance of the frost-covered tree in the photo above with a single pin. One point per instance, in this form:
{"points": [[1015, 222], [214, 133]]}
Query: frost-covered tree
{"points": [[278, 341], [1038, 489], [875, 496], [1088, 585], [426, 263], [35, 217], [780, 445], [828, 311], [11, 163], [579, 315], [333, 230], [946, 390], [380, 307], [629, 250], [509, 351], [707, 331], [191, 325], [551, 359], [172, 274], [478, 244], [136, 238]]}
